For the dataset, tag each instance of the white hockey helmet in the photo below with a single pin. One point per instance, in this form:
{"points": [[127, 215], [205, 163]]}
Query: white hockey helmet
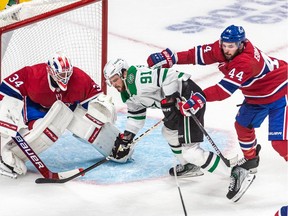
{"points": [[113, 67], [60, 69]]}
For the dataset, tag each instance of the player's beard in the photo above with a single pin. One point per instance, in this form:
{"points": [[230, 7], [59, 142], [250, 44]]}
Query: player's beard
{"points": [[230, 57], [120, 88]]}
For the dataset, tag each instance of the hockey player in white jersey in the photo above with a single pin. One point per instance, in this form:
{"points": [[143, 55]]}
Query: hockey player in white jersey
{"points": [[143, 88]]}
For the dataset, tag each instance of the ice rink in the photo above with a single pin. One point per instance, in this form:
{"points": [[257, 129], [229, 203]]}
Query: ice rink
{"points": [[143, 187]]}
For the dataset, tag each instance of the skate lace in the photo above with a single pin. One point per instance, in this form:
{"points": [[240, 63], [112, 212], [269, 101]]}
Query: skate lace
{"points": [[232, 183], [241, 161]]}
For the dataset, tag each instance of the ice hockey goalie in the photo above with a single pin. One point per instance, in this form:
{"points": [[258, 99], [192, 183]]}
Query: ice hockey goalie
{"points": [[93, 126]]}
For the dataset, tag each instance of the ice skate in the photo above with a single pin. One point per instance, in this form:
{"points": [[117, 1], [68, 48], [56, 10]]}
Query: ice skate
{"points": [[240, 180], [5, 170], [187, 170], [251, 164]]}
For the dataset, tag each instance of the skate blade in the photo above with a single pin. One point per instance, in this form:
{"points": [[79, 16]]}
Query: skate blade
{"points": [[245, 185], [8, 174], [191, 174]]}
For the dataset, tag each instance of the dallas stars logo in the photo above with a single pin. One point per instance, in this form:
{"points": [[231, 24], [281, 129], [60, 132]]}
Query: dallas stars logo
{"points": [[130, 78]]}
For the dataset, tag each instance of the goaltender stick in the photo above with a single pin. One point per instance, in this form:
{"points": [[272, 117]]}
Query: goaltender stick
{"points": [[52, 97]]}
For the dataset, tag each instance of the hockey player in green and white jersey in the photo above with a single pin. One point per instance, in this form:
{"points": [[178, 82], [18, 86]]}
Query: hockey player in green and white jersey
{"points": [[143, 88]]}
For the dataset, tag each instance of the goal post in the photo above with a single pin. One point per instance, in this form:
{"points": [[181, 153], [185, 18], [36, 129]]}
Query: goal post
{"points": [[31, 32]]}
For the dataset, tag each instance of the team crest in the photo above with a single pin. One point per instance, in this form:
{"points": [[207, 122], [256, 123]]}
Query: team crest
{"points": [[130, 78]]}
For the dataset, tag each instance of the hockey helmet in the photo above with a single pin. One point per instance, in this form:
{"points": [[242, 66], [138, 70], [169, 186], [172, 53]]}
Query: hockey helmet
{"points": [[113, 67], [60, 69], [233, 34]]}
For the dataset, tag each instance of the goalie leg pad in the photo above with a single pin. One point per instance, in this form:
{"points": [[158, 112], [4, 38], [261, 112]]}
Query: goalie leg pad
{"points": [[102, 137], [46, 131], [79, 126], [104, 141]]}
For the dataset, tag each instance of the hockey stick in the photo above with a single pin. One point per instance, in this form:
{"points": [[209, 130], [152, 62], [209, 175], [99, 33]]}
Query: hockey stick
{"points": [[146, 132], [179, 190], [37, 162], [63, 180], [225, 160]]}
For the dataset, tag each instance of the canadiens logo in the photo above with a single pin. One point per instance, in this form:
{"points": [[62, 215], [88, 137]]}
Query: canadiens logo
{"points": [[59, 96], [130, 78]]}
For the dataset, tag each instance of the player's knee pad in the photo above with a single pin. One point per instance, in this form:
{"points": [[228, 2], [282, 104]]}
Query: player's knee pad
{"points": [[281, 146], [46, 131], [171, 136]]}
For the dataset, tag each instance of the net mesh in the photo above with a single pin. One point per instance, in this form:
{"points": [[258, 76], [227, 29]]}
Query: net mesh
{"points": [[77, 32]]}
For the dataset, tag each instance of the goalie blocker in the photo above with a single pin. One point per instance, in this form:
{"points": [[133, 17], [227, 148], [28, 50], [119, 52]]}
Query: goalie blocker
{"points": [[93, 126]]}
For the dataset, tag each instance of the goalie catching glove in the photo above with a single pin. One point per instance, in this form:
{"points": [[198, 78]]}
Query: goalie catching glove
{"points": [[192, 105], [165, 59], [122, 147]]}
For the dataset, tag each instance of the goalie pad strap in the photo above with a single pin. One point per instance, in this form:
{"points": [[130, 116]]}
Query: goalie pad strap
{"points": [[8, 126], [94, 135], [50, 134], [94, 120]]}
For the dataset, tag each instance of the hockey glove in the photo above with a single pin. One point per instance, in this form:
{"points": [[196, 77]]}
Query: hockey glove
{"points": [[192, 105], [165, 59], [122, 145]]}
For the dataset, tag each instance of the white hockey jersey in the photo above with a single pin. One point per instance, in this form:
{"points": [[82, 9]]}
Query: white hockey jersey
{"points": [[145, 88]]}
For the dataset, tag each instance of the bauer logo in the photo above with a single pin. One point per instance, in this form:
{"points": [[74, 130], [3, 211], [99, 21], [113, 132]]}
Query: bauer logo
{"points": [[275, 133], [29, 152]]}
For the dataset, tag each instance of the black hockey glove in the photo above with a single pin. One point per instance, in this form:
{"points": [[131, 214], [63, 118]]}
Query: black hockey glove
{"points": [[121, 145], [171, 113]]}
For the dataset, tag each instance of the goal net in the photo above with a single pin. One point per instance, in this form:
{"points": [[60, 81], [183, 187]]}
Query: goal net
{"points": [[32, 32]]}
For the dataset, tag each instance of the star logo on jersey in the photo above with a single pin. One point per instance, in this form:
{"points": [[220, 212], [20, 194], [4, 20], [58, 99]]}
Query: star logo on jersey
{"points": [[130, 78]]}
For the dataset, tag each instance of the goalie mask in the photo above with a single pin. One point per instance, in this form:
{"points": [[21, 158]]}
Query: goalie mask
{"points": [[60, 69], [113, 67]]}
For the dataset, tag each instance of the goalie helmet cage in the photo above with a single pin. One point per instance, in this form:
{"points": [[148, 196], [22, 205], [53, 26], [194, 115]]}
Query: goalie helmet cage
{"points": [[31, 32]]}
